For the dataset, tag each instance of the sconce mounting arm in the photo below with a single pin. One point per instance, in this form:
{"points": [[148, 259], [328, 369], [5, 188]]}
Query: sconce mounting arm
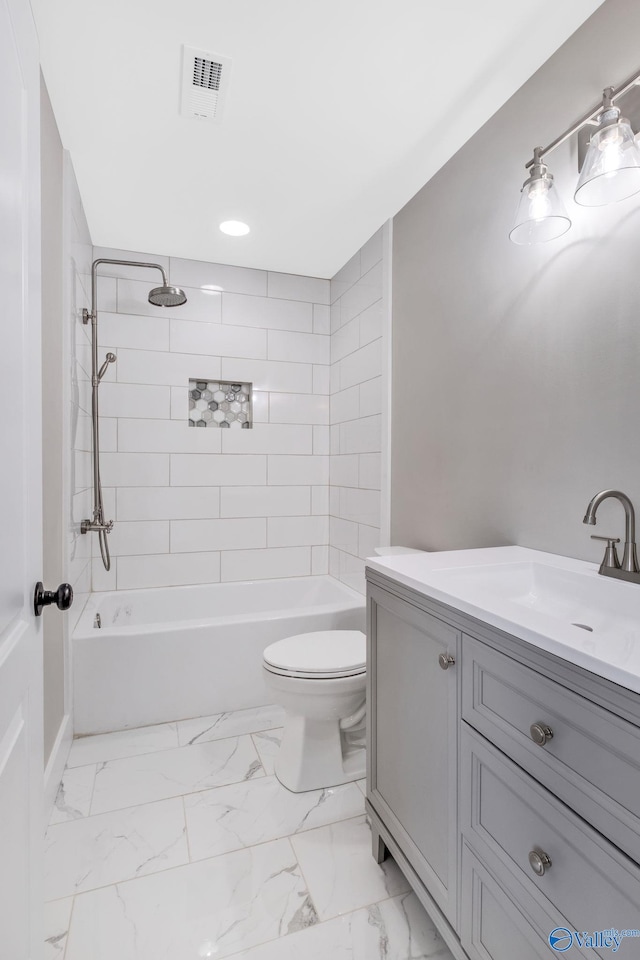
{"points": [[610, 94]]}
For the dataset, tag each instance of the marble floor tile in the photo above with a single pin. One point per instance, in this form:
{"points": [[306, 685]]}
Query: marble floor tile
{"points": [[396, 929], [251, 893], [267, 744], [111, 847], [170, 773], [73, 799], [340, 871], [232, 724], [57, 918], [122, 743], [244, 814], [208, 909]]}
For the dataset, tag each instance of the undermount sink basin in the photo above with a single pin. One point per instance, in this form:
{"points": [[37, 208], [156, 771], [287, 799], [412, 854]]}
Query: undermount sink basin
{"points": [[584, 600], [556, 603]]}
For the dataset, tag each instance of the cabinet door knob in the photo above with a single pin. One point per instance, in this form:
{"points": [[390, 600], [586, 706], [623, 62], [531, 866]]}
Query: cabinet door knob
{"points": [[62, 597], [446, 660], [540, 862], [540, 733]]}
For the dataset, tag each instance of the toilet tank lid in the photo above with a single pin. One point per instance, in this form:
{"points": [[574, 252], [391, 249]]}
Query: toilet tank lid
{"points": [[333, 652]]}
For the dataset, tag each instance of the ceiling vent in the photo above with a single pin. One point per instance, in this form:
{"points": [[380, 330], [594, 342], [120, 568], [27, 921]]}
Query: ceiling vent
{"points": [[205, 79]]}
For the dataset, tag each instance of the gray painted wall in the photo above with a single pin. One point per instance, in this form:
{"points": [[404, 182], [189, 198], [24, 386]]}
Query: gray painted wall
{"points": [[52, 413], [516, 370]]}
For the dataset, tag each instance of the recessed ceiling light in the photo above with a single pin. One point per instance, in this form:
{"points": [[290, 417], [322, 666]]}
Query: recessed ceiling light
{"points": [[235, 228]]}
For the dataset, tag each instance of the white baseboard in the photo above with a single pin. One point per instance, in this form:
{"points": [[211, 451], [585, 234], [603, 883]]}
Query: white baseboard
{"points": [[56, 764]]}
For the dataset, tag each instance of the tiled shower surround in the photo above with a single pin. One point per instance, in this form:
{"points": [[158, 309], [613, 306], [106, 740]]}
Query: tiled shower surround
{"points": [[197, 506], [358, 358], [185, 499]]}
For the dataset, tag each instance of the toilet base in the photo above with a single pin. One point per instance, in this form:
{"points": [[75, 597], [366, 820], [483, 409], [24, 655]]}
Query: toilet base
{"points": [[313, 755], [323, 737]]}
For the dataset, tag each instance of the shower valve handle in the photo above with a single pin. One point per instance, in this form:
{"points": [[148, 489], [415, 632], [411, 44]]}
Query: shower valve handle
{"points": [[62, 597], [93, 526]]}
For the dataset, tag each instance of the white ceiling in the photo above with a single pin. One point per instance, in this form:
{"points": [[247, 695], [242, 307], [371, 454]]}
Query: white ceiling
{"points": [[337, 113]]}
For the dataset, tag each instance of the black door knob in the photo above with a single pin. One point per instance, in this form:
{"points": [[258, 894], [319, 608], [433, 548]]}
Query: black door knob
{"points": [[62, 597]]}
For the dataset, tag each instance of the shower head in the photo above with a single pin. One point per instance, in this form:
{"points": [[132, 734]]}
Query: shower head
{"points": [[110, 358], [167, 296]]}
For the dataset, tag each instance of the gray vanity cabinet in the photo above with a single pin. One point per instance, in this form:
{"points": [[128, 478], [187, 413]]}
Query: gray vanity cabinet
{"points": [[506, 785], [586, 883], [413, 710], [493, 924], [591, 761]]}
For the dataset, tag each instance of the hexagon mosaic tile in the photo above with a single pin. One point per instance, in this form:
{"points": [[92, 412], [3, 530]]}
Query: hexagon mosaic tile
{"points": [[213, 403]]}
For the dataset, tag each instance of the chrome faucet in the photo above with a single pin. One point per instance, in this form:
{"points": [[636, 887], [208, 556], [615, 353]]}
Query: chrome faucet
{"points": [[611, 566]]}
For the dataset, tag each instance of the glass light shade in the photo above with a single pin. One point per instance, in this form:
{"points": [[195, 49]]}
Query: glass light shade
{"points": [[540, 215], [235, 228], [611, 168]]}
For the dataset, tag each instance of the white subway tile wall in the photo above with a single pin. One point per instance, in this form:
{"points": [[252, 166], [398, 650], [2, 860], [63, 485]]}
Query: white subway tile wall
{"points": [[357, 349], [197, 506], [297, 494]]}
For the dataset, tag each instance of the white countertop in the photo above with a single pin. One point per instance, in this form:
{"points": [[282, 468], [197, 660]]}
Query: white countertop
{"points": [[545, 595]]}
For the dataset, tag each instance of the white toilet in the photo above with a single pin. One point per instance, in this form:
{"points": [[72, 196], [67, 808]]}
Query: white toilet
{"points": [[319, 679]]}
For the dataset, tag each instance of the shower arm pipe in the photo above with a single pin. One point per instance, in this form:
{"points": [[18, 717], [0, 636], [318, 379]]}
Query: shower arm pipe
{"points": [[120, 263], [610, 93], [93, 314]]}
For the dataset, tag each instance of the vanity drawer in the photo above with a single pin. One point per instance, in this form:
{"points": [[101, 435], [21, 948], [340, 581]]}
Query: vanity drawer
{"points": [[592, 761], [506, 816], [496, 925]]}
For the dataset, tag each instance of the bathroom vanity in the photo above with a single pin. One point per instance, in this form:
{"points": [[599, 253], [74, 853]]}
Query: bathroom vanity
{"points": [[504, 748]]}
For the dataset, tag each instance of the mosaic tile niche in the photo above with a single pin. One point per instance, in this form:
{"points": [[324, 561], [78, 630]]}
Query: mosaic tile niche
{"points": [[213, 403]]}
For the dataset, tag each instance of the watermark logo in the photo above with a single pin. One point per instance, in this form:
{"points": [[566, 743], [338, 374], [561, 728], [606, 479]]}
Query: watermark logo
{"points": [[562, 939]]}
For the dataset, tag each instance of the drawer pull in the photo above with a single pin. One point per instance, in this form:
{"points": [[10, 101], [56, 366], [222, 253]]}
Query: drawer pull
{"points": [[539, 861], [540, 733], [446, 660]]}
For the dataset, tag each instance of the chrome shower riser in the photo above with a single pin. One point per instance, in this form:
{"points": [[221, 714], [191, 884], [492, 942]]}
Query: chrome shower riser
{"points": [[97, 524], [164, 296]]}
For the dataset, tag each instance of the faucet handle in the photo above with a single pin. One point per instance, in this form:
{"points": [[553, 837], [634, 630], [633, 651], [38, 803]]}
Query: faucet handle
{"points": [[611, 554]]}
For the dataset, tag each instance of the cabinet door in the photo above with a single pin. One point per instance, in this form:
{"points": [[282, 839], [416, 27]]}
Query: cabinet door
{"points": [[413, 738]]}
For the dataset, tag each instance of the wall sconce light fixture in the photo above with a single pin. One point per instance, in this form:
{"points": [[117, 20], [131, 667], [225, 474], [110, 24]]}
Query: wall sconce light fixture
{"points": [[610, 172]]}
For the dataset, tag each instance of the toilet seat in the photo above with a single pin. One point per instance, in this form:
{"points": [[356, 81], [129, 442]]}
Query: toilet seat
{"points": [[324, 655]]}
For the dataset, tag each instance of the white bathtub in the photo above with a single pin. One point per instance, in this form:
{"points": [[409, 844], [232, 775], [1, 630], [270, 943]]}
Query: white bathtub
{"points": [[182, 652]]}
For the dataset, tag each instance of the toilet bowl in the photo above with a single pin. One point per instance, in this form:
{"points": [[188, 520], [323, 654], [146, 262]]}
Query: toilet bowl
{"points": [[319, 679]]}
